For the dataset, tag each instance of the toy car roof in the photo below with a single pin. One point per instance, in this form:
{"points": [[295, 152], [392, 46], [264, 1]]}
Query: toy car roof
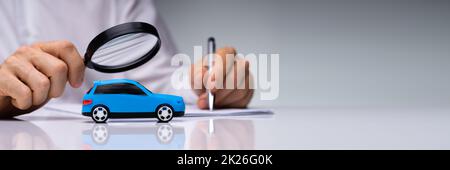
{"points": [[114, 81]]}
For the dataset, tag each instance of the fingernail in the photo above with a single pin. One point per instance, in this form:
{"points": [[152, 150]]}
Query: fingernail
{"points": [[80, 81], [78, 84]]}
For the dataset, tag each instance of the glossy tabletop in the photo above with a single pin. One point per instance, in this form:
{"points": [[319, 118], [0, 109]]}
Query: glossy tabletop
{"points": [[286, 128]]}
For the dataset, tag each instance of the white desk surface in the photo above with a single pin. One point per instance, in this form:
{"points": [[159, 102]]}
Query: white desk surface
{"points": [[287, 128]]}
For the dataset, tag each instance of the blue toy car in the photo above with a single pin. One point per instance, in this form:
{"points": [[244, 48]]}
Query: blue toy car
{"points": [[123, 98]]}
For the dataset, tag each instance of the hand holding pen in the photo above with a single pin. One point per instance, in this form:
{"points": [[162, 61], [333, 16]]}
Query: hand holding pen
{"points": [[223, 97]]}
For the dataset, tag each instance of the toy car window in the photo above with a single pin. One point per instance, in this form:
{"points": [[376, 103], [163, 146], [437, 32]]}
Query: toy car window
{"points": [[120, 88]]}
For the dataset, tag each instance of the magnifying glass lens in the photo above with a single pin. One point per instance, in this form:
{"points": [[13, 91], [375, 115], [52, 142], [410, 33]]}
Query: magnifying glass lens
{"points": [[124, 49]]}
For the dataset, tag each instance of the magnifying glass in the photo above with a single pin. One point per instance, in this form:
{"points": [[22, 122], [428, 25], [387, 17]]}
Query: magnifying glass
{"points": [[122, 47]]}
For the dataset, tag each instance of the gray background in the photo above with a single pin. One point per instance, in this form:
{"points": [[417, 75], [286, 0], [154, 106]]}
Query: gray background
{"points": [[332, 53]]}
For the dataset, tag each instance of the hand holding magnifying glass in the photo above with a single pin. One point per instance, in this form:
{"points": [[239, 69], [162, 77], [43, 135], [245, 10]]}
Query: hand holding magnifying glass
{"points": [[36, 73]]}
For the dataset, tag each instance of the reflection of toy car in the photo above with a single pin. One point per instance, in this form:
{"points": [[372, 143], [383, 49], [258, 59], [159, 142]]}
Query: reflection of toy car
{"points": [[122, 98], [144, 136]]}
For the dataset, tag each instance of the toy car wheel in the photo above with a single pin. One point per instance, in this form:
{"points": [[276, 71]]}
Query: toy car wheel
{"points": [[100, 114], [164, 113]]}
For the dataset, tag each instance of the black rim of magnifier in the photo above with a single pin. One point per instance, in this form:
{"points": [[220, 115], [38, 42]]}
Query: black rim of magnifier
{"points": [[117, 31]]}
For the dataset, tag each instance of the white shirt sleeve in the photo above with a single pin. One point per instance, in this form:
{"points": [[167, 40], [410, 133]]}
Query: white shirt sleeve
{"points": [[26, 22]]}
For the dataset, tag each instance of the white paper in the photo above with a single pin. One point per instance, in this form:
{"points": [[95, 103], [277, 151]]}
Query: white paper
{"points": [[191, 111]]}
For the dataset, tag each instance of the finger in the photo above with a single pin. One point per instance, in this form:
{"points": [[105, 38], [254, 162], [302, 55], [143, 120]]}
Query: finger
{"points": [[53, 68], [235, 79], [3, 78], [20, 94], [227, 56], [240, 99], [215, 78], [221, 95], [202, 101], [228, 97], [209, 82], [69, 54], [237, 97], [222, 52], [223, 66], [232, 96], [36, 81], [241, 74]]}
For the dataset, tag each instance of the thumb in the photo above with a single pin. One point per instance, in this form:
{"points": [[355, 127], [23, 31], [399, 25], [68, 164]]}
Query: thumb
{"points": [[3, 93], [202, 102]]}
